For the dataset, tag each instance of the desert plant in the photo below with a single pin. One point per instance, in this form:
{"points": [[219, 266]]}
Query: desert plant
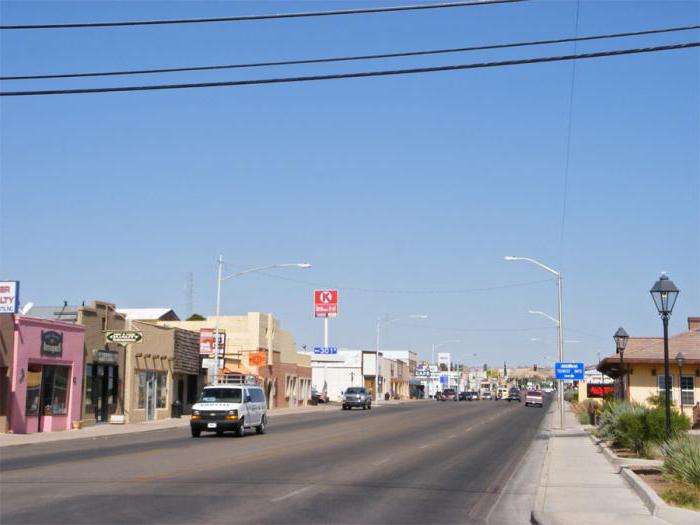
{"points": [[583, 418], [630, 429], [656, 424], [571, 395], [682, 460]]}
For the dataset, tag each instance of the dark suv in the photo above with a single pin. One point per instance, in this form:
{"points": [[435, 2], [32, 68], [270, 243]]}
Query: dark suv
{"points": [[356, 396], [514, 395]]}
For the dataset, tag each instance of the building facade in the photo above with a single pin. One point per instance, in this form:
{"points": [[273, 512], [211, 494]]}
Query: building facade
{"points": [[45, 375]]}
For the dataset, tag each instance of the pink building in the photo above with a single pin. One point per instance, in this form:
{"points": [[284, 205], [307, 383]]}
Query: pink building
{"points": [[46, 376]]}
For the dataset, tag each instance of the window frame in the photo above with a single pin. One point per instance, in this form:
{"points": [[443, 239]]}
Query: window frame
{"points": [[661, 389], [690, 391]]}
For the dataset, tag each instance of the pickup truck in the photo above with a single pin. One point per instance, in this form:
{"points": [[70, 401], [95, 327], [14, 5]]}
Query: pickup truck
{"points": [[535, 398]]}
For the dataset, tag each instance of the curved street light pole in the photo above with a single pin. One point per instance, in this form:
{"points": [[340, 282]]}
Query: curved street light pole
{"points": [[219, 280], [560, 322]]}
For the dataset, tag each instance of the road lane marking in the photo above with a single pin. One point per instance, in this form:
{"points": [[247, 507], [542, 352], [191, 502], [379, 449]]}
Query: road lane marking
{"points": [[424, 446], [451, 436], [381, 462], [291, 494]]}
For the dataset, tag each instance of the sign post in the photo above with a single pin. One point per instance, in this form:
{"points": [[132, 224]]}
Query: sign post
{"points": [[325, 306]]}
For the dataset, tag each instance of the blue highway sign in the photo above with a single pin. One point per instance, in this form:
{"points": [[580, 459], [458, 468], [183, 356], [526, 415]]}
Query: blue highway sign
{"points": [[328, 350], [569, 371]]}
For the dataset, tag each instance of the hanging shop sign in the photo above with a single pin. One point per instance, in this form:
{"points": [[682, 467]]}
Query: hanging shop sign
{"points": [[257, 359], [51, 343], [123, 337], [206, 342]]}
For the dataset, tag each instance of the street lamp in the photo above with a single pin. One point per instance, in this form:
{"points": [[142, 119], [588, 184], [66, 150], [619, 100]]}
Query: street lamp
{"points": [[621, 337], [432, 355], [385, 321], [220, 279], [680, 359], [559, 325], [665, 293]]}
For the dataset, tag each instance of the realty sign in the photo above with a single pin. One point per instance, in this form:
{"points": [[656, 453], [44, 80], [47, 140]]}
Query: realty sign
{"points": [[9, 297], [326, 303], [569, 371], [123, 337]]}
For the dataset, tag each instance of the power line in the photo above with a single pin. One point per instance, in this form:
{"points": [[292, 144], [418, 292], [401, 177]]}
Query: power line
{"points": [[274, 16], [406, 292], [353, 58], [365, 74]]}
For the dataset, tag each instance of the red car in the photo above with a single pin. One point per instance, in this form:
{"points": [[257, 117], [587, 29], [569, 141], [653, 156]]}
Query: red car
{"points": [[449, 394]]}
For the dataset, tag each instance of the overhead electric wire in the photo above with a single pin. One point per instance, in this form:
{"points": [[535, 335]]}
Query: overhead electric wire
{"points": [[453, 291], [355, 57], [364, 74], [273, 16]]}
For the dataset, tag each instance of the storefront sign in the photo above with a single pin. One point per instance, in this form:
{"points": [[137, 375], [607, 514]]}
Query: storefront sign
{"points": [[326, 303], [51, 343], [9, 297], [123, 337], [257, 359], [206, 341], [104, 357]]}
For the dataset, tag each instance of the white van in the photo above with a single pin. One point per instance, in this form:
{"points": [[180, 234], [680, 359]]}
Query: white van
{"points": [[229, 407]]}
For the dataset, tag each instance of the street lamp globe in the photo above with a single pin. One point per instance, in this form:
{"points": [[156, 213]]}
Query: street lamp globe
{"points": [[664, 293], [621, 337], [680, 359]]}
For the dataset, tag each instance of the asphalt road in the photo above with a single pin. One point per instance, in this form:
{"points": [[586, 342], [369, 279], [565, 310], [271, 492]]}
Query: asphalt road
{"points": [[421, 462]]}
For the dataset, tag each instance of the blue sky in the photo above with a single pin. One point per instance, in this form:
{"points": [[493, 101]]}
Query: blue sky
{"points": [[413, 183]]}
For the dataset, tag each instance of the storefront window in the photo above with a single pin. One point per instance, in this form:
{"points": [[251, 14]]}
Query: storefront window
{"points": [[162, 389], [59, 397], [88, 386], [141, 403], [33, 390]]}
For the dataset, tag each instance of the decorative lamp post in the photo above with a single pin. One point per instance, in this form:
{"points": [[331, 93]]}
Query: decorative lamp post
{"points": [[621, 338], [665, 293], [680, 360]]}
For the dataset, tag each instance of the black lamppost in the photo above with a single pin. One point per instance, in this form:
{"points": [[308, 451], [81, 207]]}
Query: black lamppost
{"points": [[621, 338], [680, 359], [665, 293]]}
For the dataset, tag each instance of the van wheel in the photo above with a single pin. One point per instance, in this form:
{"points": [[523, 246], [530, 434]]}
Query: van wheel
{"points": [[260, 429], [196, 432], [240, 431]]}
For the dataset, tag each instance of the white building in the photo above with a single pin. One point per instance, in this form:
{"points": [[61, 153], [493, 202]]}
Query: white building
{"points": [[333, 373]]}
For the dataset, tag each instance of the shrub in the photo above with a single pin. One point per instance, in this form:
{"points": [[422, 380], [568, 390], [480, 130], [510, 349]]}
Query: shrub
{"points": [[571, 395], [682, 460], [583, 418], [630, 429], [656, 424]]}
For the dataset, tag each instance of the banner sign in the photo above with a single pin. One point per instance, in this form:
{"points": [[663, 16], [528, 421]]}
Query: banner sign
{"points": [[257, 359], [325, 350], [206, 341], [123, 337], [599, 391], [569, 371], [326, 303], [9, 297]]}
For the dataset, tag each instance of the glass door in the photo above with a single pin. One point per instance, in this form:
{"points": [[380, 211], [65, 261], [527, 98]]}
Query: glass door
{"points": [[99, 393], [150, 396]]}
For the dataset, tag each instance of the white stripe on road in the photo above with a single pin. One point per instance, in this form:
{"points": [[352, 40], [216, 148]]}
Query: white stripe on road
{"points": [[291, 494], [381, 462], [424, 446]]}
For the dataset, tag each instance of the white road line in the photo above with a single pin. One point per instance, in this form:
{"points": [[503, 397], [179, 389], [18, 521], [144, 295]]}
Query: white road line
{"points": [[424, 446], [291, 494], [381, 462], [452, 436]]}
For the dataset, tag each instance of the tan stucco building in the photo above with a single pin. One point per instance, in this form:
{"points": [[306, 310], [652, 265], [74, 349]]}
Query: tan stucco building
{"points": [[642, 372], [256, 344]]}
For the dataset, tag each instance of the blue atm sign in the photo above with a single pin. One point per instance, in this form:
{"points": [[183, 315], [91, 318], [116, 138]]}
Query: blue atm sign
{"points": [[569, 371]]}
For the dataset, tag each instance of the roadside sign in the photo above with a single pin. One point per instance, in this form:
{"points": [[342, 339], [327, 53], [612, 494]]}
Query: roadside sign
{"points": [[206, 341], [325, 303], [123, 337], [257, 359], [9, 297], [569, 371], [325, 350], [443, 379]]}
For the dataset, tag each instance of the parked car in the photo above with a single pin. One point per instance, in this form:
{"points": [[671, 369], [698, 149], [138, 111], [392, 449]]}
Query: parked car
{"points": [[514, 395], [438, 396], [357, 396], [463, 396], [535, 398], [318, 397], [486, 395], [222, 408], [449, 394], [472, 395]]}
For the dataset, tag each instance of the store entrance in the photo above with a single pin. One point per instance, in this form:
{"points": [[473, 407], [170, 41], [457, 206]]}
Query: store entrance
{"points": [[104, 384]]}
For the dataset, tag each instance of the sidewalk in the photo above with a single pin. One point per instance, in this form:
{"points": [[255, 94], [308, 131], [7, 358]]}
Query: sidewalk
{"points": [[106, 430], [579, 485]]}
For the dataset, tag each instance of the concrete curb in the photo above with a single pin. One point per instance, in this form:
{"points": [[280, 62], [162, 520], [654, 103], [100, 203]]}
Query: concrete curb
{"points": [[543, 518], [657, 506], [618, 461], [541, 489]]}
